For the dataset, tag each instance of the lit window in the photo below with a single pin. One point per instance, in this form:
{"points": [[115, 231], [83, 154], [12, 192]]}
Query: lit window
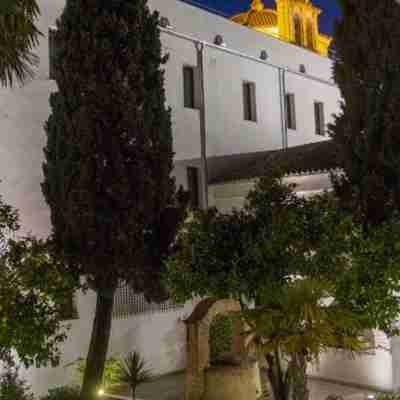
{"points": [[290, 111], [319, 118], [249, 101]]}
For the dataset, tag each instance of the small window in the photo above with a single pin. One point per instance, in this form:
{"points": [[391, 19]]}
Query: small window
{"points": [[249, 101], [52, 51], [319, 118], [193, 186], [189, 87], [290, 111]]}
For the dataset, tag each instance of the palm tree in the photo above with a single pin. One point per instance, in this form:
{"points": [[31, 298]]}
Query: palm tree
{"points": [[132, 371], [18, 36]]}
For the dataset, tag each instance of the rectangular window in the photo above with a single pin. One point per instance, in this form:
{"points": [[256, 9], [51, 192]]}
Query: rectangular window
{"points": [[52, 50], [193, 186], [189, 87], [290, 111], [319, 118], [249, 101]]}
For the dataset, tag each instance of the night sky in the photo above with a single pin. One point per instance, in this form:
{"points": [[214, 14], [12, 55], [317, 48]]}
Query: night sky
{"points": [[330, 9]]}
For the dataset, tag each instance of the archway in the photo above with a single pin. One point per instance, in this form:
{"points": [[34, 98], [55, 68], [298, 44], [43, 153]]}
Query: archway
{"points": [[198, 345]]}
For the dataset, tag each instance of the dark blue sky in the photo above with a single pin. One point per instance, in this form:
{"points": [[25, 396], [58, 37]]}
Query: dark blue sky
{"points": [[330, 9]]}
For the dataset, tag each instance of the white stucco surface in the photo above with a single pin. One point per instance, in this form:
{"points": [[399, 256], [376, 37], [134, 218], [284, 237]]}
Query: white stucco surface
{"points": [[159, 337], [23, 111]]}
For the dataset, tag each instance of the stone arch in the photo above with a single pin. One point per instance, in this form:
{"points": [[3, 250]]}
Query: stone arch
{"points": [[198, 350]]}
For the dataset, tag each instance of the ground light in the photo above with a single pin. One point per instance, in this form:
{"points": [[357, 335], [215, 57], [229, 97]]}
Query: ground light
{"points": [[100, 392]]}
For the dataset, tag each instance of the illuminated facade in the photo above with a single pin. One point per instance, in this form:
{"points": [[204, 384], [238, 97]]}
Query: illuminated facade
{"points": [[295, 21], [260, 94]]}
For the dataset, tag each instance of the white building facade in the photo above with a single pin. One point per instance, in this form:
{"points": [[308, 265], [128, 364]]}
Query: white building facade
{"points": [[246, 98]]}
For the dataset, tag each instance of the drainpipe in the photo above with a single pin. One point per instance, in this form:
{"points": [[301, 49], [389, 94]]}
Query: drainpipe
{"points": [[203, 129], [282, 105]]}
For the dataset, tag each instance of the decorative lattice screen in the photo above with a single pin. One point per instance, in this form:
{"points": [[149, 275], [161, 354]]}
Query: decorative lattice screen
{"points": [[127, 302]]}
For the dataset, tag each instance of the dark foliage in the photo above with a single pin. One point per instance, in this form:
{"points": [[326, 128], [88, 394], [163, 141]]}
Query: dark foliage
{"points": [[114, 207], [367, 71]]}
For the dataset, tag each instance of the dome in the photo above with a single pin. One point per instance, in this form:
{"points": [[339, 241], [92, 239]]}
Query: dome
{"points": [[258, 17]]}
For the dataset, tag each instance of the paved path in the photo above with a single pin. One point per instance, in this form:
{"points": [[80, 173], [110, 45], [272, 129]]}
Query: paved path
{"points": [[170, 387]]}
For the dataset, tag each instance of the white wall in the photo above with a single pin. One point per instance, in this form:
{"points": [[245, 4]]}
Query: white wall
{"points": [[205, 26], [159, 337], [306, 93], [373, 371]]}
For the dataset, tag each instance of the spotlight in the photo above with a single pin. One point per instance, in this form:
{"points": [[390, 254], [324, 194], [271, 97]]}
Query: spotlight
{"points": [[101, 392], [164, 22], [219, 41], [264, 55]]}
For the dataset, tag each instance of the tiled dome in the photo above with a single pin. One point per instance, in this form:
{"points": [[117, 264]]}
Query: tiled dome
{"points": [[258, 16]]}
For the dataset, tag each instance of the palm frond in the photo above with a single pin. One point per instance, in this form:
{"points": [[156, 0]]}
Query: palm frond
{"points": [[133, 370], [18, 37]]}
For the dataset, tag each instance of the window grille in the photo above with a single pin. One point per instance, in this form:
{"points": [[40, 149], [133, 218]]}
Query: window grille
{"points": [[127, 303]]}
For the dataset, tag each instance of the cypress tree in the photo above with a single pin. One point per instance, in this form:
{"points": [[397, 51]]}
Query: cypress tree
{"points": [[114, 206], [366, 132]]}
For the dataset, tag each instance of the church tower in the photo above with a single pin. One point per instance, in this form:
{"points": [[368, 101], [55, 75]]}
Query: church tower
{"points": [[298, 22], [295, 21]]}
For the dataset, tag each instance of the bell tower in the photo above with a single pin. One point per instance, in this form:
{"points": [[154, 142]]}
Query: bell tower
{"points": [[298, 22]]}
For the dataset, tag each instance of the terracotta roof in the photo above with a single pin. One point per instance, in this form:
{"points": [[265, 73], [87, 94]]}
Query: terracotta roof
{"points": [[308, 158]]}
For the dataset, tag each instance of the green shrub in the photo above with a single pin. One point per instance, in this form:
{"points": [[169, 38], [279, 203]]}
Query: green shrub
{"points": [[221, 336], [110, 375], [391, 396], [62, 393], [12, 387]]}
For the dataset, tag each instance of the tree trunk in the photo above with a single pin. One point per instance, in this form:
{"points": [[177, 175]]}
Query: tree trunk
{"points": [[98, 348], [133, 392], [299, 377], [276, 378]]}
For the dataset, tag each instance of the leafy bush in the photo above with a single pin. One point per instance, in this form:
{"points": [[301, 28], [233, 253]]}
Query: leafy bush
{"points": [[12, 387], [221, 336], [391, 396], [63, 393], [110, 375]]}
